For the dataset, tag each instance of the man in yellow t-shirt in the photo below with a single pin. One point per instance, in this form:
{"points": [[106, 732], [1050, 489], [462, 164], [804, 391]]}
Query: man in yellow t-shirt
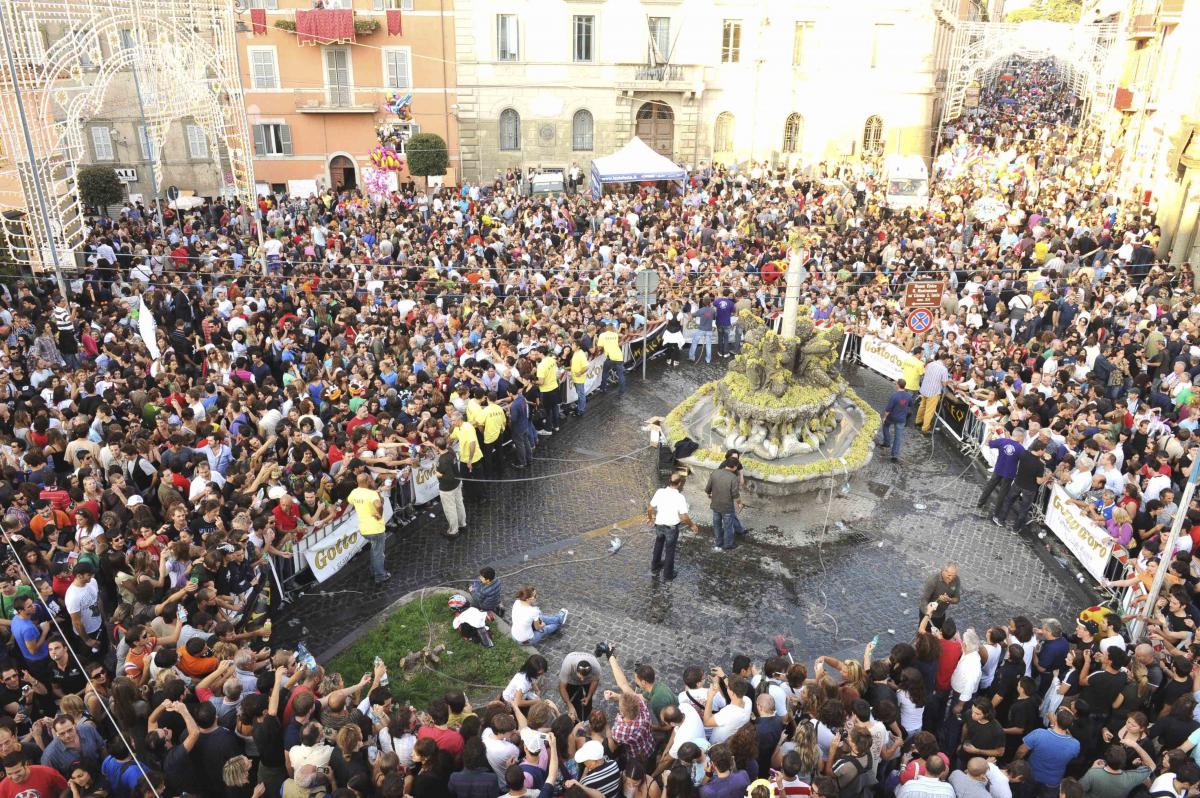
{"points": [[547, 377], [492, 419], [469, 451], [609, 342], [579, 369], [368, 508]]}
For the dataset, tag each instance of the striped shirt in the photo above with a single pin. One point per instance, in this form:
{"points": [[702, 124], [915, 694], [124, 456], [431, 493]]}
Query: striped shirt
{"points": [[935, 379], [606, 779]]}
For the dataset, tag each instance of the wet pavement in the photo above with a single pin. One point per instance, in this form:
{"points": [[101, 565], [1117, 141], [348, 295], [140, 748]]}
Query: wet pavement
{"points": [[845, 568]]}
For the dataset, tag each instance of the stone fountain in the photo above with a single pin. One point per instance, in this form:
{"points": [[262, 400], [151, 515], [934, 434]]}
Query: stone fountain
{"points": [[786, 407]]}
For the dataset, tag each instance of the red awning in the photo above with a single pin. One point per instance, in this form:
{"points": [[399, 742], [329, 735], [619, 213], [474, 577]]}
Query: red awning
{"points": [[325, 26]]}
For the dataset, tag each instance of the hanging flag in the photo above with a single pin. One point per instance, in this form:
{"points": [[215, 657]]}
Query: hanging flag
{"points": [[258, 21], [148, 329], [395, 22]]}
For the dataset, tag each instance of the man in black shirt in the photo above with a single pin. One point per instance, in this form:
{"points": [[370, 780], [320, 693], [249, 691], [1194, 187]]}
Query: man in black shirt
{"points": [[65, 676], [1031, 474], [450, 488], [1101, 687]]}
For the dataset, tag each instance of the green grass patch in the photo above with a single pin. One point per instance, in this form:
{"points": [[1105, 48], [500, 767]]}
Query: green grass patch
{"points": [[479, 672]]}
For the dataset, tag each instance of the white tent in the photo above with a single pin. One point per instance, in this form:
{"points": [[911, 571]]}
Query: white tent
{"points": [[634, 163]]}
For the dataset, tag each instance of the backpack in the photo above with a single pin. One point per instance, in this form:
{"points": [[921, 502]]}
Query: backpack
{"points": [[857, 787]]}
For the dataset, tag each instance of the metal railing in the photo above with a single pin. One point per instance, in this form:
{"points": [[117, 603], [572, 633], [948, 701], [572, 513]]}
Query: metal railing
{"points": [[662, 73]]}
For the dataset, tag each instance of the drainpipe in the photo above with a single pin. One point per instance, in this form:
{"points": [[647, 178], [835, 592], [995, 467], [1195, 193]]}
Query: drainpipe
{"points": [[445, 90]]}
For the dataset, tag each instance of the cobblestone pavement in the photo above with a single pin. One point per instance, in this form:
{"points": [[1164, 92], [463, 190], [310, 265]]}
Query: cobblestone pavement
{"points": [[829, 578]]}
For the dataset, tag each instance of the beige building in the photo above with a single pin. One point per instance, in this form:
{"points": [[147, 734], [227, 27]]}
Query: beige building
{"points": [[552, 82], [1154, 122]]}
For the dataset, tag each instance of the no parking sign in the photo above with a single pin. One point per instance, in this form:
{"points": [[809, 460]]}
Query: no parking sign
{"points": [[920, 320]]}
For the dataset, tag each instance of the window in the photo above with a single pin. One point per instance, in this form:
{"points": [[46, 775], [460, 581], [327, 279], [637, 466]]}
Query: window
{"points": [[264, 68], [660, 38], [393, 5], [102, 147], [144, 142], [510, 130], [723, 133], [270, 5], [731, 41], [798, 37], [583, 37], [404, 132], [873, 136], [337, 76], [581, 130], [397, 68], [793, 129], [507, 48], [197, 142], [879, 42], [272, 139]]}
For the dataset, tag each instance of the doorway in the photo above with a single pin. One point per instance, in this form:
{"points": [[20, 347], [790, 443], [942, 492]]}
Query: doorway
{"points": [[342, 174], [656, 127]]}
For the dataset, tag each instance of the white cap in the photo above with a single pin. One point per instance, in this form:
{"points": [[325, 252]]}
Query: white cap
{"points": [[591, 751]]}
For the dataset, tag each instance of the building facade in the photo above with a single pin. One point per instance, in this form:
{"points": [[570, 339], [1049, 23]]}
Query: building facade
{"points": [[555, 82], [314, 109], [1154, 122]]}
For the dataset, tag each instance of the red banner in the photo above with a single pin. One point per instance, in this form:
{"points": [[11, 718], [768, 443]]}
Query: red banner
{"points": [[258, 21], [395, 22], [325, 26]]}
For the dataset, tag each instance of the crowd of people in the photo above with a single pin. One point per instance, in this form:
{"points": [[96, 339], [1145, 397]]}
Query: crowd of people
{"points": [[226, 381]]}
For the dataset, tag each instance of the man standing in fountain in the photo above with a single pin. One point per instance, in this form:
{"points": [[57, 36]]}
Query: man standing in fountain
{"points": [[723, 489]]}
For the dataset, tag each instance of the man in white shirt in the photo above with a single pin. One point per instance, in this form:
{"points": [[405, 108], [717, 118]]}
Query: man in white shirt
{"points": [[737, 714], [668, 511]]}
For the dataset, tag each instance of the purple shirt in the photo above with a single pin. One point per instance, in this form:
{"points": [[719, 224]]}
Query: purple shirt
{"points": [[732, 786], [1008, 452]]}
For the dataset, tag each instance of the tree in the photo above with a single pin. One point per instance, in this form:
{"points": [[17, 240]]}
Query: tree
{"points": [[427, 155], [1050, 10], [99, 186]]}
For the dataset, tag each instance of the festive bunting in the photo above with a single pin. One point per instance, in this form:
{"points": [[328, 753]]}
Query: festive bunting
{"points": [[325, 26]]}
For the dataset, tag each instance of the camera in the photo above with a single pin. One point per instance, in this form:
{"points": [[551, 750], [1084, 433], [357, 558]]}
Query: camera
{"points": [[603, 650]]}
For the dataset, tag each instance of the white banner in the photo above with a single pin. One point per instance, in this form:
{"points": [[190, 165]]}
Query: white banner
{"points": [[328, 549], [887, 359], [1088, 541], [424, 482], [148, 329]]}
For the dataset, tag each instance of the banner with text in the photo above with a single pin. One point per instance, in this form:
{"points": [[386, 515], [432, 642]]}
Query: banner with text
{"points": [[888, 359], [328, 549], [1088, 541], [633, 359], [424, 481]]}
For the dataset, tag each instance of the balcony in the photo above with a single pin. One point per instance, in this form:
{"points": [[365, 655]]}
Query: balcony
{"points": [[331, 101], [1123, 99], [1170, 12], [1141, 26], [664, 77]]}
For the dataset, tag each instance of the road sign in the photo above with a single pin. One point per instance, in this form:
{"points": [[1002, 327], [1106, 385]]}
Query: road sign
{"points": [[924, 294], [920, 320], [172, 193]]}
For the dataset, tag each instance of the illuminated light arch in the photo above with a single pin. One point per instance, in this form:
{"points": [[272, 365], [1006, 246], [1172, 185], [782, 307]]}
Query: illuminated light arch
{"points": [[186, 57]]}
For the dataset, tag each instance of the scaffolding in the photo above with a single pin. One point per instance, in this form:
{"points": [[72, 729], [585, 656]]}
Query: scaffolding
{"points": [[60, 57], [982, 50]]}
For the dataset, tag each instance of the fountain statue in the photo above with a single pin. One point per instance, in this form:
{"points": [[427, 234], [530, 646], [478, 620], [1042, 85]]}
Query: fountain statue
{"points": [[785, 406]]}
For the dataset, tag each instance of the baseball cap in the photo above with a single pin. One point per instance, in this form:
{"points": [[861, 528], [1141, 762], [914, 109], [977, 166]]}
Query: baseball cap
{"points": [[532, 740], [590, 751], [134, 501]]}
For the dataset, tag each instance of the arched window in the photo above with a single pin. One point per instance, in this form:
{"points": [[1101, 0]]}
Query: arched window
{"points": [[581, 130], [510, 130], [723, 133], [873, 136], [793, 129]]}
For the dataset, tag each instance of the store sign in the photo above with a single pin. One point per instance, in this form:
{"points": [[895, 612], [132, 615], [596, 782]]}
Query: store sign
{"points": [[126, 175]]}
